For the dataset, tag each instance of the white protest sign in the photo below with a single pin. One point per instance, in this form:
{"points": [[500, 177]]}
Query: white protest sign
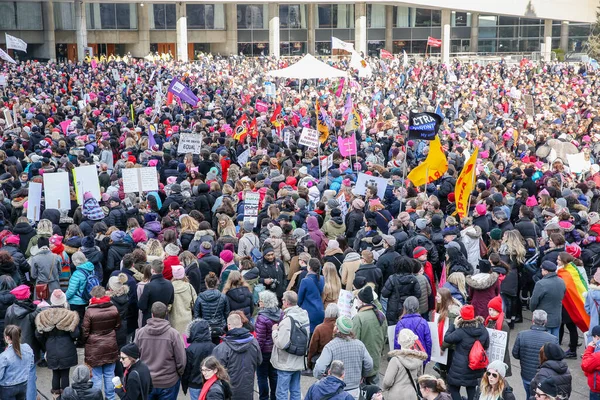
{"points": [[86, 180], [3, 80], [309, 138], [437, 355], [391, 336], [497, 347], [189, 143], [326, 162], [8, 118], [343, 205], [243, 157], [149, 179], [365, 181], [251, 201], [529, 107], [578, 163], [81, 105], [115, 74], [287, 136], [140, 180], [345, 303], [34, 201], [56, 191]]}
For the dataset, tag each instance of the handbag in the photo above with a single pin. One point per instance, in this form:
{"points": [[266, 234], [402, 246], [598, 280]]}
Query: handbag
{"points": [[416, 387], [42, 292]]}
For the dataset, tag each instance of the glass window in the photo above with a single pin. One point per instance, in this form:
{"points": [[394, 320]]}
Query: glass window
{"points": [[400, 46], [335, 16], [205, 16], [460, 46], [423, 17], [107, 16], [487, 33], [487, 20], [436, 17], [487, 46], [163, 16], [530, 31], [576, 44], [8, 18], [126, 17], [323, 48], [375, 16], [374, 46], [29, 16], [508, 31], [529, 45], [402, 17], [111, 16], [292, 48], [530, 21], [556, 31], [292, 16], [251, 16], [461, 18], [508, 20], [64, 16], [579, 30], [508, 45]]}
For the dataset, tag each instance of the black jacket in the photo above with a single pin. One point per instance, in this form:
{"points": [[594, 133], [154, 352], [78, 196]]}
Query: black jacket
{"points": [[22, 313], [137, 384], [241, 299], [507, 393], [121, 302], [172, 198], [530, 185], [220, 390], [397, 288], [25, 232], [420, 240], [484, 223], [528, 229], [6, 300], [372, 274], [96, 257], [59, 344], [82, 391], [212, 306], [387, 263], [200, 347], [87, 226], [559, 371], [185, 239], [204, 201], [273, 270], [116, 252], [158, 289], [207, 264], [116, 217], [195, 277], [354, 221]]}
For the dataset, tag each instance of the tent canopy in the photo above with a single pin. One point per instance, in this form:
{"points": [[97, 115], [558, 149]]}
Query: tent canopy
{"points": [[308, 68]]}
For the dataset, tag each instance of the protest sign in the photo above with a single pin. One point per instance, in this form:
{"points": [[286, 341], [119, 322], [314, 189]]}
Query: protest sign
{"points": [[56, 191], [287, 136], [345, 303], [343, 205], [309, 138], [8, 118], [347, 145], [34, 201], [86, 180], [326, 163], [578, 163], [437, 355], [270, 89], [3, 80], [251, 201], [115, 74], [13, 42], [497, 346], [423, 126], [243, 157], [189, 143], [391, 332], [183, 92], [529, 107], [140, 180], [262, 106], [365, 181]]}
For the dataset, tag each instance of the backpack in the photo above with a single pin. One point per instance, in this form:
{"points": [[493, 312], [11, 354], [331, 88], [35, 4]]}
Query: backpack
{"points": [[91, 281], [255, 253], [298, 344], [478, 358]]}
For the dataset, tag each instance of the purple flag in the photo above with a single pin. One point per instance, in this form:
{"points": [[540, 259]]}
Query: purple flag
{"points": [[347, 106], [151, 132], [183, 92]]}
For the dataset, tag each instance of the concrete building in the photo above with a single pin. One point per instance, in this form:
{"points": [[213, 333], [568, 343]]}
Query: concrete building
{"points": [[66, 29]]}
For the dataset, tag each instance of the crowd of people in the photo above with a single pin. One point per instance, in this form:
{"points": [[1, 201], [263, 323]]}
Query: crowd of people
{"points": [[194, 288]]}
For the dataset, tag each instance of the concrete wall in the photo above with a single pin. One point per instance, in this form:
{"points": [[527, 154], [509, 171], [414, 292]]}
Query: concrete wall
{"points": [[33, 37], [110, 36]]}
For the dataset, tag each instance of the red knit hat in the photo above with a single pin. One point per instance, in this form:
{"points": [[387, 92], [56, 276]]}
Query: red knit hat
{"points": [[496, 304], [451, 197], [419, 251], [467, 313]]}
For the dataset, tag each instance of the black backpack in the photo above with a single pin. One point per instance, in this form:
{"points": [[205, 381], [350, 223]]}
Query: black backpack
{"points": [[298, 344]]}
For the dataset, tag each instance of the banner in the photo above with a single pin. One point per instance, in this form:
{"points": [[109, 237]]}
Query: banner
{"points": [[578, 163], [345, 303], [434, 166], [8, 117], [347, 146], [423, 126], [6, 57], [189, 143], [241, 128], [404, 59], [361, 65], [340, 44], [56, 191], [183, 92], [15, 43], [321, 123], [363, 181], [34, 201], [464, 185], [251, 202], [140, 180], [497, 348], [309, 138], [386, 55], [433, 42], [85, 179]]}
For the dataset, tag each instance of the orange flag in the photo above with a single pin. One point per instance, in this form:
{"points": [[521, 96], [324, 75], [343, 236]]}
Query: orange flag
{"points": [[464, 185]]}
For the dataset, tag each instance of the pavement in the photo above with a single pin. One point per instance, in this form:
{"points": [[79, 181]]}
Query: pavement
{"points": [[580, 387]]}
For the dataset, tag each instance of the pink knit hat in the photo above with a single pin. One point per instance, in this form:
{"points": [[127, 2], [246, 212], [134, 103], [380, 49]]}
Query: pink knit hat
{"points": [[178, 272], [531, 202], [21, 292]]}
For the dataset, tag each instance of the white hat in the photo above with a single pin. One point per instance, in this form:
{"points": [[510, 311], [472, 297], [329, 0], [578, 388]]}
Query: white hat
{"points": [[406, 339], [172, 250]]}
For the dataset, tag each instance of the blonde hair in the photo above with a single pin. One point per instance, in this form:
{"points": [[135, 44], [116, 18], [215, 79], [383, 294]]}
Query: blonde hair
{"points": [[154, 249], [333, 284], [228, 229], [514, 246], [487, 390], [458, 280], [188, 224], [235, 280]]}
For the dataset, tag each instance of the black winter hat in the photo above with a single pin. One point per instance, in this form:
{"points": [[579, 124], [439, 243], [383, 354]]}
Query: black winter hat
{"points": [[554, 352], [366, 295], [131, 350]]}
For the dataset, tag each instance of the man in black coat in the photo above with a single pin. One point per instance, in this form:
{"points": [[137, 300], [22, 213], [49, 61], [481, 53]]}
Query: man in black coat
{"points": [[369, 271], [158, 289], [174, 197], [422, 238], [528, 183], [116, 216], [138, 382], [272, 272], [387, 261]]}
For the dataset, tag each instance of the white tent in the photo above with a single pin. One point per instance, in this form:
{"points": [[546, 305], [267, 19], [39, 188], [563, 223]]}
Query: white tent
{"points": [[308, 68]]}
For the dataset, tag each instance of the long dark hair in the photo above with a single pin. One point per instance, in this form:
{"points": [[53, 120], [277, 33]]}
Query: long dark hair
{"points": [[14, 333], [211, 363]]}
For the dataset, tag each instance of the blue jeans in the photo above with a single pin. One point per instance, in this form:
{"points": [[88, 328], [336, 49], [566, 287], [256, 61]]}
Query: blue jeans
{"points": [[266, 375], [194, 393], [14, 392], [527, 386], [31, 384], [105, 372], [594, 396], [291, 380], [554, 331], [165, 393]]}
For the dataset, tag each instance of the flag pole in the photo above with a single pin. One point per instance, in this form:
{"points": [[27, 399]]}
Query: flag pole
{"points": [[426, 179]]}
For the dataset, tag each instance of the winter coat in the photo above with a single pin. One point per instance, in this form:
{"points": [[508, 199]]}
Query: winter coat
{"points": [[6, 300], [548, 295], [372, 274], [387, 263], [348, 270], [96, 257], [354, 221], [396, 383], [25, 232], [510, 282], [19, 260], [183, 305], [463, 335], [455, 292], [158, 289], [330, 387], [507, 393], [370, 327], [46, 268], [162, 349], [483, 223], [528, 229], [279, 248], [116, 252], [194, 275], [309, 298], [10, 269], [120, 299], [265, 320], [82, 391], [57, 330], [200, 347], [312, 225], [590, 364], [559, 371], [137, 383], [220, 390], [208, 264], [482, 288], [334, 227], [22, 313], [212, 306], [420, 240], [592, 304], [334, 256], [240, 355], [247, 243], [100, 325], [273, 270], [397, 288], [470, 238], [281, 359], [240, 298], [116, 217], [418, 325], [78, 283], [527, 349]]}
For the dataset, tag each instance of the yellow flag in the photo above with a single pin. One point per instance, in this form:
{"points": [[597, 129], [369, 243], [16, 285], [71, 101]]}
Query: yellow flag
{"points": [[321, 124], [464, 185], [434, 166], [354, 120]]}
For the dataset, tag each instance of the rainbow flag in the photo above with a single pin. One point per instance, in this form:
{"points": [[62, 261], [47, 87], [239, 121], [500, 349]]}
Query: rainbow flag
{"points": [[574, 301]]}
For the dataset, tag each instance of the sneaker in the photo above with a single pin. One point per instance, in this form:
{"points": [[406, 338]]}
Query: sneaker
{"points": [[42, 363], [571, 354], [307, 372]]}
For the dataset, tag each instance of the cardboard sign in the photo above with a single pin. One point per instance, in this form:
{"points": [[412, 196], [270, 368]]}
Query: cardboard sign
{"points": [[365, 181], [326, 163], [262, 106], [578, 163], [86, 180], [140, 180], [343, 205], [34, 201], [309, 138], [243, 157], [287, 136], [251, 201], [529, 107], [437, 355], [189, 143], [56, 191], [115, 74], [345, 303], [497, 347], [8, 118]]}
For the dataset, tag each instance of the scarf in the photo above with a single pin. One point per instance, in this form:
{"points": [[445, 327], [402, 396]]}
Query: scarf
{"points": [[440, 327], [380, 317], [206, 387], [58, 249], [499, 320], [101, 300]]}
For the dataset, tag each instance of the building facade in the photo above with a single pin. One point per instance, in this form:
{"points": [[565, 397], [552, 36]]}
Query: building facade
{"points": [[62, 30]]}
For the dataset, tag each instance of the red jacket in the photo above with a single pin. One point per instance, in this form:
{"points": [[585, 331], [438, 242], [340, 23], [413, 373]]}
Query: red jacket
{"points": [[590, 364], [225, 163], [168, 263]]}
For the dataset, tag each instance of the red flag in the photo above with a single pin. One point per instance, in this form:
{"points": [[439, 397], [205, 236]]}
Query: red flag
{"points": [[241, 128], [169, 98], [433, 42], [277, 119], [252, 129], [384, 54]]}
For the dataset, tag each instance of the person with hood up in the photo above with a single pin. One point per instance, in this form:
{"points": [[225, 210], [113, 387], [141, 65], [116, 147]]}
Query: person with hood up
{"points": [[92, 214], [335, 225], [200, 347], [496, 320], [44, 229], [22, 313], [116, 251], [117, 215], [240, 355], [467, 329], [93, 254], [312, 225], [398, 288], [553, 366], [405, 366], [56, 330], [411, 319], [269, 314], [76, 292], [181, 312], [204, 201], [45, 267], [25, 232], [82, 388], [483, 287], [152, 226], [330, 387], [11, 246]]}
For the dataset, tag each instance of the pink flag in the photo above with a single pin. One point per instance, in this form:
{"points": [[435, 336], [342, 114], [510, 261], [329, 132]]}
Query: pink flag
{"points": [[340, 88], [94, 64], [64, 125], [443, 277], [262, 106], [347, 146]]}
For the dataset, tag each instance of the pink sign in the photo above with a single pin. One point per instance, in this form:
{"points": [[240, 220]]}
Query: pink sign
{"points": [[347, 146], [65, 125], [262, 106]]}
